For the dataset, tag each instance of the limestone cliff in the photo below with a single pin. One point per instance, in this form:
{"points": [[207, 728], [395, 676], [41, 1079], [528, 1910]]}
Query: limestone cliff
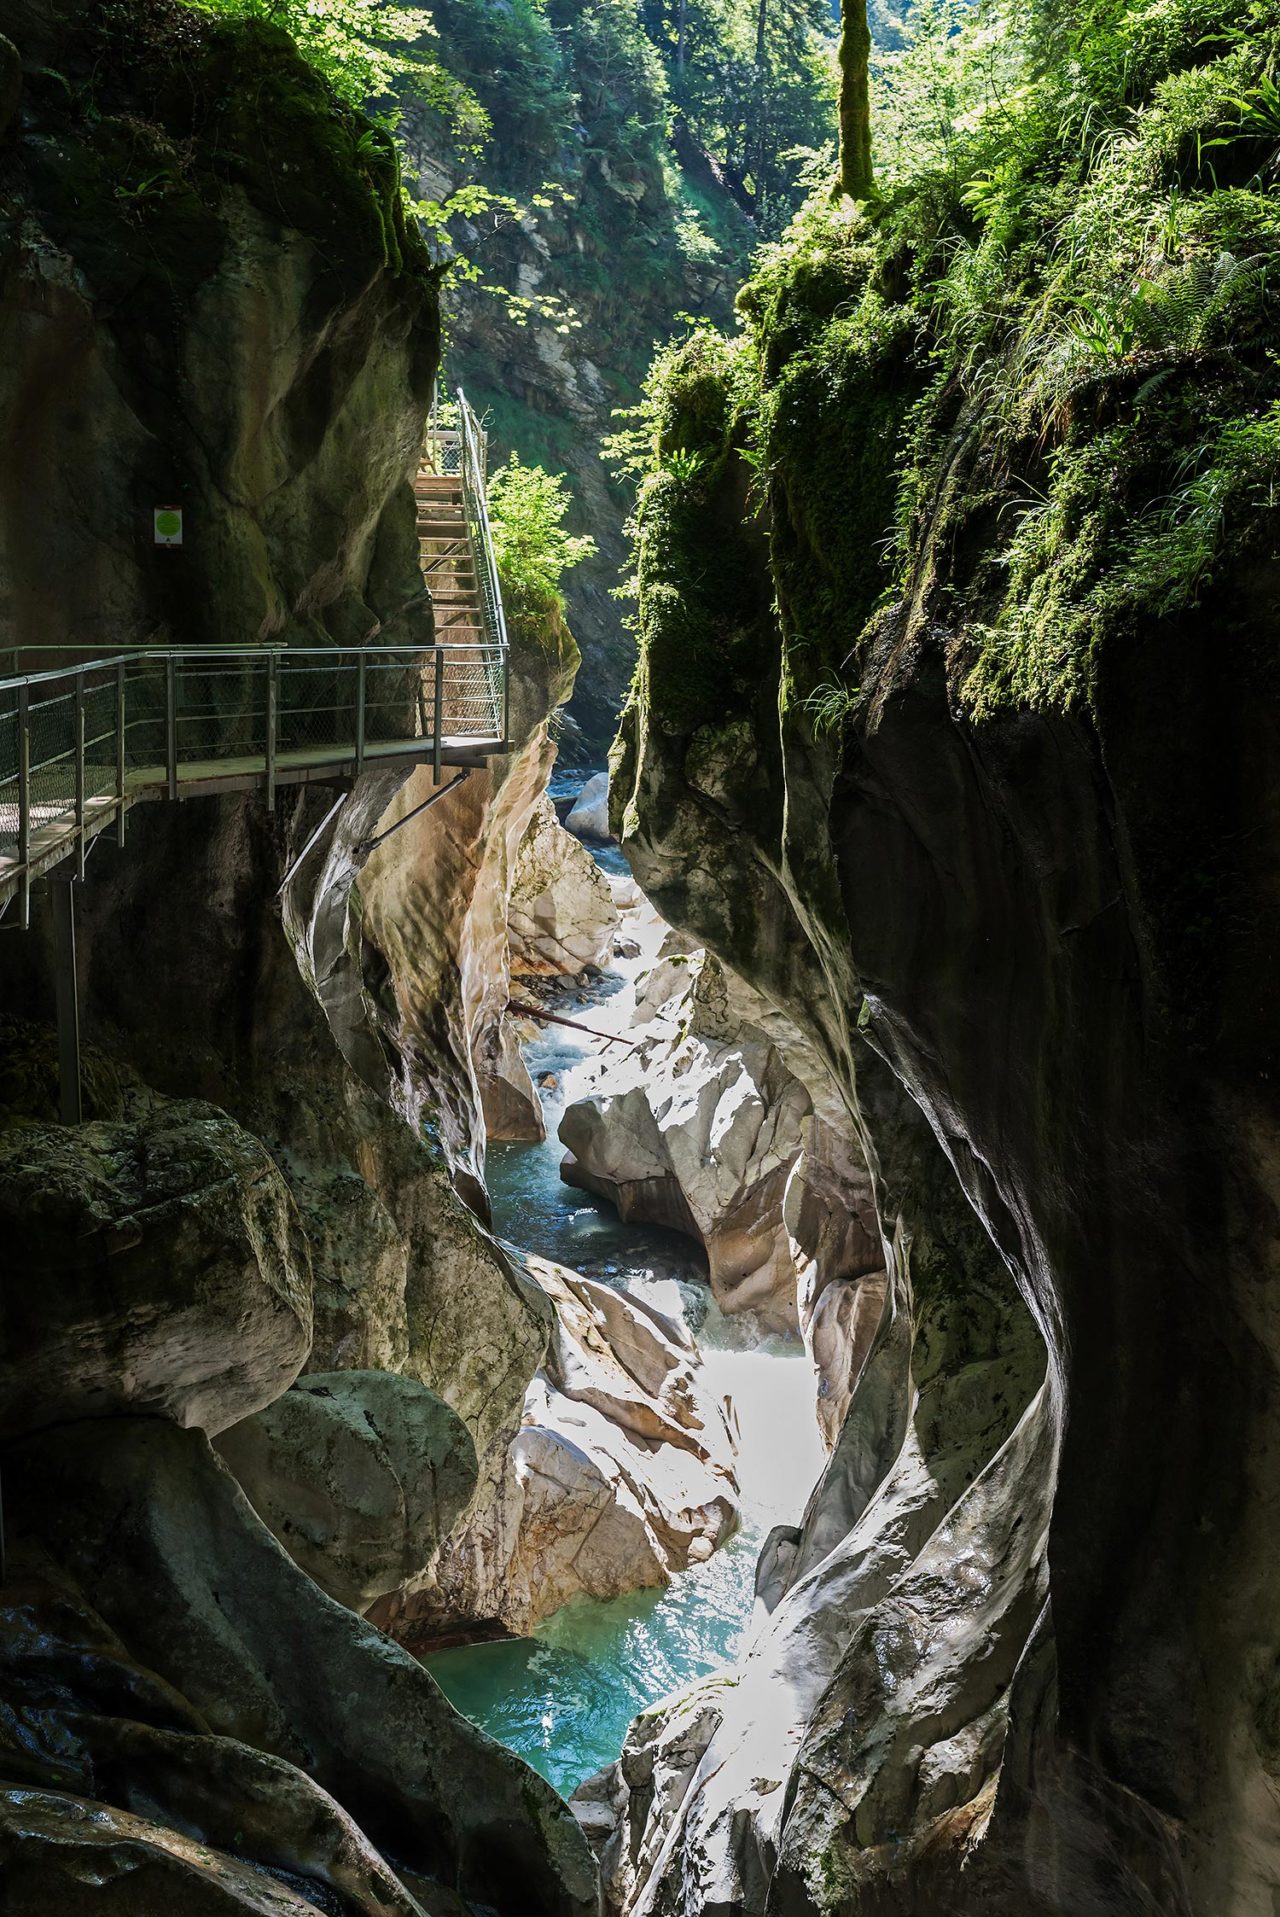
{"points": [[209, 297], [1006, 850]]}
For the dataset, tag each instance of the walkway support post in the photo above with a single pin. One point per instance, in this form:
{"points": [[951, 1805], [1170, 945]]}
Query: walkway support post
{"points": [[271, 729], [24, 805], [79, 724], [120, 728], [438, 742], [360, 699], [171, 724], [68, 998]]}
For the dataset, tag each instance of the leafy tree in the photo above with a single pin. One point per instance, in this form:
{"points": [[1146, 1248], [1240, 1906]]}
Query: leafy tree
{"points": [[751, 83], [527, 507], [373, 55]]}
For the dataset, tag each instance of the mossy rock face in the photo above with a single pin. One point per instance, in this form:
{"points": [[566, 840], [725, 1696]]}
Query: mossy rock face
{"points": [[30, 1085], [238, 321], [10, 85]]}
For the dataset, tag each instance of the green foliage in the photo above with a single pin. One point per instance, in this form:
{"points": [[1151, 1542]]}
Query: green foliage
{"points": [[752, 86], [1032, 395], [527, 507], [369, 52]]}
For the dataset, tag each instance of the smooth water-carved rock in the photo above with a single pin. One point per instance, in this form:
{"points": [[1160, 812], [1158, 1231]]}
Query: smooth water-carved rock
{"points": [[588, 816], [561, 916], [152, 1263], [512, 1109], [708, 1127], [708, 1780], [240, 1646], [620, 1474], [699, 1130], [359, 1474], [1051, 919]]}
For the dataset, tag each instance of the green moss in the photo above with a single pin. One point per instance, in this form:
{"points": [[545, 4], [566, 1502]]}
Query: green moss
{"points": [[1028, 400], [171, 109]]}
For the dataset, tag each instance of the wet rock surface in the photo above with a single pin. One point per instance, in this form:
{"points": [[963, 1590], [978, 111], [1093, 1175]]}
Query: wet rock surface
{"points": [[620, 1474], [700, 1130], [561, 915], [588, 816], [996, 915], [235, 1693]]}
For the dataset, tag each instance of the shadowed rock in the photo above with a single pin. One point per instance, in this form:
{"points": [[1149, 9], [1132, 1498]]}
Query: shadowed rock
{"points": [[359, 1474], [169, 1554], [155, 1263]]}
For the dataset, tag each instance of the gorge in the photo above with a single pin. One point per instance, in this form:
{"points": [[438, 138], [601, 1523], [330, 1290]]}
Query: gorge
{"points": [[694, 1341]]}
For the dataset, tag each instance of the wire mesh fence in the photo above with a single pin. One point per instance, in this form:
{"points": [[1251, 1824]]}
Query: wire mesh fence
{"points": [[78, 744]]}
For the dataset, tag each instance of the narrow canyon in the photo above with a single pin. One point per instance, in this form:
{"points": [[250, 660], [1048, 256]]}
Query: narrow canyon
{"points": [[639, 890]]}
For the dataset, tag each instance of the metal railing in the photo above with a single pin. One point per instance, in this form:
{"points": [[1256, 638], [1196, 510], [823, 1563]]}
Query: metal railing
{"points": [[457, 445], [80, 744]]}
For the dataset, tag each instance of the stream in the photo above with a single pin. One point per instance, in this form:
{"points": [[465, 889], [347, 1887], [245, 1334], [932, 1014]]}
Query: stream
{"points": [[564, 1697]]}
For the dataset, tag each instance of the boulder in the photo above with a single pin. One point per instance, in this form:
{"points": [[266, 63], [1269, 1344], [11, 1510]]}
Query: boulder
{"points": [[620, 1475], [561, 915], [154, 1263], [512, 1109], [588, 817], [359, 1474], [307, 1742]]}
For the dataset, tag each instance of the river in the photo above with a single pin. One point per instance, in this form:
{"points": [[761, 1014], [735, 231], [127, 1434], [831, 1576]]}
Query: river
{"points": [[564, 1697]]}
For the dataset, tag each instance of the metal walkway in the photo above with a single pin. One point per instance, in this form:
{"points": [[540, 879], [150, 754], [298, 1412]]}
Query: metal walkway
{"points": [[81, 744]]}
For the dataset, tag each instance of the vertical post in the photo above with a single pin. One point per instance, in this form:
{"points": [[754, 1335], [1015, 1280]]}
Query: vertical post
{"points": [[271, 728], [171, 723], [68, 999], [360, 698], [79, 717], [120, 734], [438, 727], [24, 804]]}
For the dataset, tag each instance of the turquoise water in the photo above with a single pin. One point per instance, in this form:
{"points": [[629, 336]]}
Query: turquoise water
{"points": [[564, 1698]]}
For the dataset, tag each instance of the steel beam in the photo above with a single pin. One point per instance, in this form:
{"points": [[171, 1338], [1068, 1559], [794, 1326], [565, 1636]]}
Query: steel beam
{"points": [[121, 728], [271, 729], [24, 806], [79, 737], [438, 742]]}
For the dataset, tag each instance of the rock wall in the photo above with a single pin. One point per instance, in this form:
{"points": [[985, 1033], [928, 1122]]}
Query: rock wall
{"points": [[1054, 1679], [560, 915], [208, 296]]}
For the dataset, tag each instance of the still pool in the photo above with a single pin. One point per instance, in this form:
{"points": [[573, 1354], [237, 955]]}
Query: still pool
{"points": [[564, 1698]]}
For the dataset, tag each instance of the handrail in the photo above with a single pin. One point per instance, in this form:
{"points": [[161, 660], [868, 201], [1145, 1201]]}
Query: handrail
{"points": [[475, 495], [148, 654], [80, 744], [82, 741]]}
